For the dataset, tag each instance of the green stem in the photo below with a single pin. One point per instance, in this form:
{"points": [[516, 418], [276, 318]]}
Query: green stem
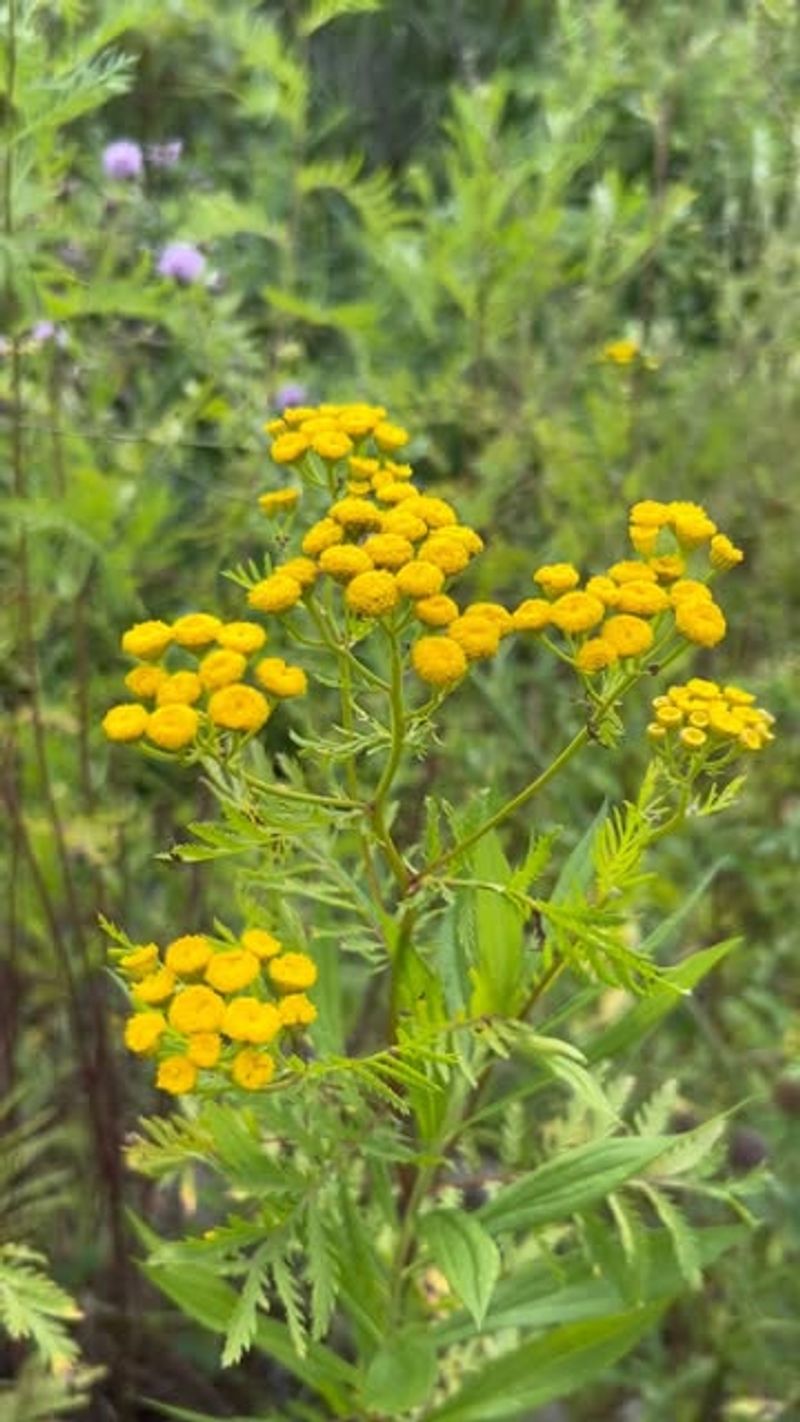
{"points": [[306, 797], [398, 725]]}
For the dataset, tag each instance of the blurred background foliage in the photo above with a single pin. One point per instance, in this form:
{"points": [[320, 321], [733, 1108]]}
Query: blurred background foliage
{"points": [[450, 209]]}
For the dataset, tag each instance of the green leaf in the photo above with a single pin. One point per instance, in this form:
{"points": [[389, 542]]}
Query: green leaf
{"points": [[466, 1255], [498, 933], [662, 998], [244, 1319], [201, 1295], [577, 1178], [554, 1366], [402, 1374], [322, 12]]}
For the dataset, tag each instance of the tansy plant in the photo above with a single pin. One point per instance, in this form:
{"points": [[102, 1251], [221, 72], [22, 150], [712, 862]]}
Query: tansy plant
{"points": [[356, 1056]]}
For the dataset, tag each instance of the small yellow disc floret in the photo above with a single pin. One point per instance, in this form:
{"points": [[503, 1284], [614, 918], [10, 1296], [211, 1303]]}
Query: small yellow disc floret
{"points": [[238, 708], [196, 629], [277, 593], [557, 578], [292, 972], [126, 722], [252, 1070], [143, 1032], [188, 955], [173, 727], [244, 637], [281, 680], [196, 1009], [439, 661], [176, 1075], [372, 594], [146, 639], [220, 668], [232, 969], [183, 688]]}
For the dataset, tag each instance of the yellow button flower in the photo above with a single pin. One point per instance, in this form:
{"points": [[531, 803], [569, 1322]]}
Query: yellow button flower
{"points": [[244, 637], [436, 513], [288, 448], [444, 552], [140, 961], [439, 661], [173, 727], [247, 1019], [292, 972], [476, 636], [252, 1070], [345, 561], [643, 598], [389, 550], [630, 570], [303, 570], [576, 612], [203, 1048], [221, 667], [668, 567], [294, 415], [393, 491], [146, 639], [402, 521], [177, 1075], [595, 655], [389, 437], [156, 988], [700, 622], [281, 680], [419, 579], [297, 1010], [693, 737], [279, 501], [126, 722], [621, 352], [143, 1032], [629, 635], [238, 708], [605, 589], [277, 593], [188, 955], [495, 612], [437, 611], [332, 445], [557, 578], [145, 680], [196, 1009], [232, 969], [723, 553], [356, 513], [532, 615], [651, 513], [183, 688], [689, 590], [644, 540], [196, 629], [320, 536], [372, 594], [467, 537], [263, 944]]}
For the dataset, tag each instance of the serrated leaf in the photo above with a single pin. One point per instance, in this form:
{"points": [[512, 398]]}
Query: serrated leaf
{"points": [[323, 1269], [244, 1319], [684, 1240], [576, 1179], [467, 1256], [546, 1368]]}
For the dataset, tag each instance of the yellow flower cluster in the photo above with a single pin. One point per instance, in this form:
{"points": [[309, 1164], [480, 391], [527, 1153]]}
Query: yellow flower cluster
{"points": [[704, 718], [621, 613], [385, 542], [208, 689], [202, 1005]]}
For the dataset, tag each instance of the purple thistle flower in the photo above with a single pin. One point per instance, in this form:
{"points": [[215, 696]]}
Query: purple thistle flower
{"points": [[292, 393], [165, 155], [182, 262], [123, 160]]}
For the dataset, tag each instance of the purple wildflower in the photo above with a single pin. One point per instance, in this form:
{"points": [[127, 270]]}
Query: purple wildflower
{"points": [[45, 331], [292, 393], [182, 262], [165, 155], [123, 160]]}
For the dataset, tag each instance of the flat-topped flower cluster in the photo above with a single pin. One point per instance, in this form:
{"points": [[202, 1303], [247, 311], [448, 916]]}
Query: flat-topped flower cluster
{"points": [[206, 1009]]}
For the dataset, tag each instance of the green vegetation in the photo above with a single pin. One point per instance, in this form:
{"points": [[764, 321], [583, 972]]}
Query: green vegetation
{"points": [[455, 212]]}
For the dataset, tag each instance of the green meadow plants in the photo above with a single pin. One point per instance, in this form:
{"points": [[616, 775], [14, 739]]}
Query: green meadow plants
{"points": [[430, 1188]]}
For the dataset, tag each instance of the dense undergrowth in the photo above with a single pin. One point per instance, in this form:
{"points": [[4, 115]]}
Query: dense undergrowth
{"points": [[559, 242]]}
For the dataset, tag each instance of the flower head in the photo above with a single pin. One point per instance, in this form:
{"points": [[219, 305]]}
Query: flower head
{"points": [[232, 969], [123, 160], [181, 262], [629, 635], [188, 955], [281, 680], [238, 708], [260, 942], [147, 639], [292, 972], [244, 637], [126, 722], [176, 1075], [196, 1009], [292, 393], [196, 629], [557, 578], [372, 594], [172, 727], [252, 1070], [439, 661], [143, 1031], [277, 593], [247, 1019]]}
